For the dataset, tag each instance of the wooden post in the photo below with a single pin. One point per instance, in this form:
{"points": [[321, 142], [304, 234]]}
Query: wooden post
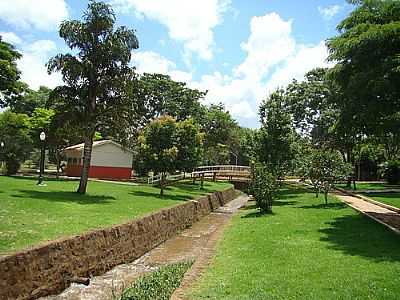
{"points": [[214, 176], [202, 181]]}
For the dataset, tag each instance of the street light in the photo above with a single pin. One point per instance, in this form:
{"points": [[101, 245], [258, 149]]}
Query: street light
{"points": [[236, 156], [42, 139]]}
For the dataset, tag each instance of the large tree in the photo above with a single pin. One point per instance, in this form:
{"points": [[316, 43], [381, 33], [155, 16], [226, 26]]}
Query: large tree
{"points": [[368, 63], [97, 76], [10, 86], [275, 148]]}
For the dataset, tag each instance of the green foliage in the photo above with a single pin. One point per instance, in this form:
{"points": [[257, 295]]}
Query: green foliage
{"points": [[30, 100], [325, 167], [367, 55], [392, 172], [220, 136], [14, 133], [276, 136], [166, 145], [10, 87], [263, 187], [158, 285], [98, 78]]}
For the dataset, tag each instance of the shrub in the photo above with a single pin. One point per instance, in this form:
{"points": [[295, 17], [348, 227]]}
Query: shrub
{"points": [[392, 172], [263, 187], [158, 285]]}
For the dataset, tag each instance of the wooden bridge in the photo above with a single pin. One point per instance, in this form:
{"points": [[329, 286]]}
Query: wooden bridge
{"points": [[223, 172]]}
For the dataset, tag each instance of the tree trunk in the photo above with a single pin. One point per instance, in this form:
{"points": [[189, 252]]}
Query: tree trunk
{"points": [[162, 184], [57, 165], [326, 197], [87, 156]]}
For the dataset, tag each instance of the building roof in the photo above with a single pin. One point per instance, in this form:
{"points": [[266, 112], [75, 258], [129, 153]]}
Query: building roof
{"points": [[79, 147]]}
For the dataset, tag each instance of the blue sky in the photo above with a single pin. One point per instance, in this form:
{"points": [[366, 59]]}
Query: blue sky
{"points": [[237, 50]]}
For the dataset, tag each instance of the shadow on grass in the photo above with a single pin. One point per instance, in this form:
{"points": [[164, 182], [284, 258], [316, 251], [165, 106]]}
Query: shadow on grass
{"points": [[35, 179], [360, 236], [64, 197], [167, 195], [257, 214], [286, 193], [384, 195], [325, 206], [283, 203]]}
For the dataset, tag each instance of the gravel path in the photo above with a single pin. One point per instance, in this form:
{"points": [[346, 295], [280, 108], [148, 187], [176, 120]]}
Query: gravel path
{"points": [[385, 216]]}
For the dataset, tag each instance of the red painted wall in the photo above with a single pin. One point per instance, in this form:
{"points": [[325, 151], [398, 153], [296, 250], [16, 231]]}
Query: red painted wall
{"points": [[100, 172]]}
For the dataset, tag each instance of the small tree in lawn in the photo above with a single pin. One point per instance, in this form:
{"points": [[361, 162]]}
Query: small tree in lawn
{"points": [[97, 77], [263, 186], [166, 146], [326, 167]]}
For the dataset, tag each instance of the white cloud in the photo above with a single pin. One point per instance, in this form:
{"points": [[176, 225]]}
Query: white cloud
{"points": [[295, 66], [270, 42], [189, 21], [40, 14], [11, 37], [329, 12], [152, 62], [33, 64]]}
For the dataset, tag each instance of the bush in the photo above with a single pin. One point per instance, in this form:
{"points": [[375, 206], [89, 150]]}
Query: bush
{"points": [[392, 172], [158, 285], [263, 187], [12, 166]]}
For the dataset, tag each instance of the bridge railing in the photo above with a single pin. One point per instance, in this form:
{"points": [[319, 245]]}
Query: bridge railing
{"points": [[222, 171]]}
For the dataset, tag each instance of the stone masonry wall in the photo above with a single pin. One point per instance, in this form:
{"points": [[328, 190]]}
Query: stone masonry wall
{"points": [[50, 268]]}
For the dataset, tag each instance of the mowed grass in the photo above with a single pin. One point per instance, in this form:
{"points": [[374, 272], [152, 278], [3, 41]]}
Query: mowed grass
{"points": [[303, 251], [30, 214], [392, 199], [369, 186]]}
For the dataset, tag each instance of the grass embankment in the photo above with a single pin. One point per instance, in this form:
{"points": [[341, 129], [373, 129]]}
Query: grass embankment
{"points": [[392, 199], [30, 214], [368, 186], [158, 285], [303, 251]]}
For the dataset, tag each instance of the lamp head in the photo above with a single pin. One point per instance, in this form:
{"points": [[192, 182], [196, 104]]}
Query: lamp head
{"points": [[42, 136]]}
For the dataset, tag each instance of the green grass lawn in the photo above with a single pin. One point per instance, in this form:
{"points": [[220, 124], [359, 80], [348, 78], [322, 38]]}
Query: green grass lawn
{"points": [[392, 199], [369, 186], [30, 214], [303, 251]]}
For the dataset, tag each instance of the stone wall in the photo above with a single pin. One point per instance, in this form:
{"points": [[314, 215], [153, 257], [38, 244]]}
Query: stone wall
{"points": [[50, 268]]}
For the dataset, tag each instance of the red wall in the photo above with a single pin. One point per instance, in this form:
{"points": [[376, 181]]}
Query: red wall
{"points": [[100, 172]]}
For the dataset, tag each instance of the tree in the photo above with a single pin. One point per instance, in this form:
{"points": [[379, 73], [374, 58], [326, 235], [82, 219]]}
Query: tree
{"points": [[166, 145], [276, 135], [189, 142], [326, 166], [98, 77], [368, 63], [14, 133], [263, 187], [10, 86], [29, 100], [220, 136]]}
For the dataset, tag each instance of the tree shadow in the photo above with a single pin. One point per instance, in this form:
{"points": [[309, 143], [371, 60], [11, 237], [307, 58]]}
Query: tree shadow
{"points": [[358, 235], [258, 214], [285, 192], [337, 205], [63, 196], [390, 195], [156, 194], [283, 203]]}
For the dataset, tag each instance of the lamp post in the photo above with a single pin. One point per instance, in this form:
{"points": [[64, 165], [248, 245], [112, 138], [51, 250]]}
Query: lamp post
{"points": [[42, 139], [2, 154], [235, 155]]}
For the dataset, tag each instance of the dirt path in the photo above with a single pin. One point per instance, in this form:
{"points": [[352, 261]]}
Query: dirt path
{"points": [[385, 216], [196, 243]]}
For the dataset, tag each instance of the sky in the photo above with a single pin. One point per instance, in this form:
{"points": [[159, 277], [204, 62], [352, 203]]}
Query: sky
{"points": [[239, 51]]}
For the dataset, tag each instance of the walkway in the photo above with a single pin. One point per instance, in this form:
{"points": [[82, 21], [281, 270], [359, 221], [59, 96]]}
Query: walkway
{"points": [[385, 216], [196, 243]]}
